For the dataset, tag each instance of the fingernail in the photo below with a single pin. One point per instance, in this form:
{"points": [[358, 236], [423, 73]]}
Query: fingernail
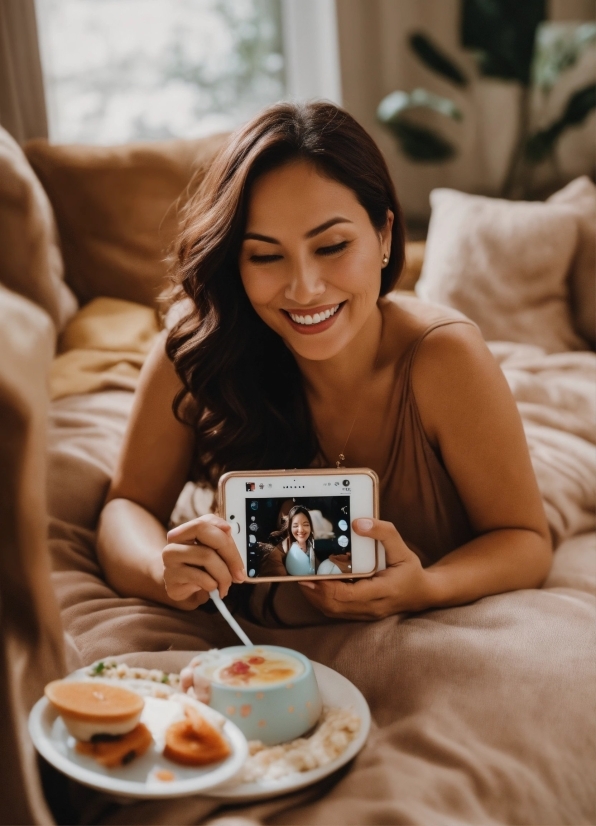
{"points": [[239, 576], [364, 524], [308, 585]]}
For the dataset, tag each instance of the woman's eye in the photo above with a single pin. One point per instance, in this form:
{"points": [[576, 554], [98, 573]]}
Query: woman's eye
{"points": [[333, 249], [264, 259]]}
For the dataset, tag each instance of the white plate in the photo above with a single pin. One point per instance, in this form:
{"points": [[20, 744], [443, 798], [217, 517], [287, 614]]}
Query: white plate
{"points": [[337, 692], [139, 778]]}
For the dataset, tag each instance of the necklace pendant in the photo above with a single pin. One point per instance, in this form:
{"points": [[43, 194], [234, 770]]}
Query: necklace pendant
{"points": [[341, 459]]}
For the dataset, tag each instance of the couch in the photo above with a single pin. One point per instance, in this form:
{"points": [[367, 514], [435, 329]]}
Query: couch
{"points": [[482, 713]]}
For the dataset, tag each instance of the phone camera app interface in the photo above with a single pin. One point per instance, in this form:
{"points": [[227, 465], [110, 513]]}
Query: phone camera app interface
{"points": [[298, 536]]}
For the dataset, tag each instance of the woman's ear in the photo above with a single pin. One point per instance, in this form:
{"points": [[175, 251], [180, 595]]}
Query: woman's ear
{"points": [[385, 234]]}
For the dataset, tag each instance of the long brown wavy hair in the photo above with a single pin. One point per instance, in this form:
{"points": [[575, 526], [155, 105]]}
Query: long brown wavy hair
{"points": [[242, 391], [285, 532]]}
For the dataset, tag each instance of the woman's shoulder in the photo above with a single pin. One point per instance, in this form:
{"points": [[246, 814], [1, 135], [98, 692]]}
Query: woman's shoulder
{"points": [[407, 321]]}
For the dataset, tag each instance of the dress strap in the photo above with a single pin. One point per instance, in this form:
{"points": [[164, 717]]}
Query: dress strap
{"points": [[415, 345]]}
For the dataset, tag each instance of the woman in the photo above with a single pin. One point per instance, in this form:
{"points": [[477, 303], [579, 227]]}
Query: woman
{"points": [[289, 248], [299, 543]]}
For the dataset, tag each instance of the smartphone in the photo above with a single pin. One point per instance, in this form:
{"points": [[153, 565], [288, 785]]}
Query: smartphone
{"points": [[298, 523]]}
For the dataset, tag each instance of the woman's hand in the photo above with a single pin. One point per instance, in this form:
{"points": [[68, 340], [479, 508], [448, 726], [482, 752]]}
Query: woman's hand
{"points": [[201, 556], [403, 586]]}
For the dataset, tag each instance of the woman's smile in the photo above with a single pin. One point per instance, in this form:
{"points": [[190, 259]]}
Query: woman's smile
{"points": [[313, 319]]}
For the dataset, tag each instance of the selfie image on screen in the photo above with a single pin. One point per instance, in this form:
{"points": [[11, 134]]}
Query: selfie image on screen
{"points": [[298, 536]]}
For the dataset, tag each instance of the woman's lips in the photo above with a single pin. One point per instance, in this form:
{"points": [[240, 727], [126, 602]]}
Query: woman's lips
{"points": [[314, 326]]}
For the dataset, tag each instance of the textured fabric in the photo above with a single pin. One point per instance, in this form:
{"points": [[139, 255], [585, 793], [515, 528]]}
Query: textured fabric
{"points": [[481, 712], [103, 347], [580, 197], [505, 265], [30, 258], [417, 494], [117, 210], [31, 644]]}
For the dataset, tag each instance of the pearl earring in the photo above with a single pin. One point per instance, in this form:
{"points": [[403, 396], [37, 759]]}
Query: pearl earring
{"points": [[385, 260]]}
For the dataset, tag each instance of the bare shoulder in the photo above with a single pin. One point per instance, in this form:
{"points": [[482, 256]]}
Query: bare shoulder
{"points": [[406, 319], [455, 376], [449, 351]]}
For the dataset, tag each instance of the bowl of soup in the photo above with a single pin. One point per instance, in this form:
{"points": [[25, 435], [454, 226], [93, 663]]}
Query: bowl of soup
{"points": [[268, 691]]}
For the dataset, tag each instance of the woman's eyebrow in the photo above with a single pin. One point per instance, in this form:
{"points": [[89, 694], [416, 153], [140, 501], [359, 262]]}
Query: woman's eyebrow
{"points": [[256, 236]]}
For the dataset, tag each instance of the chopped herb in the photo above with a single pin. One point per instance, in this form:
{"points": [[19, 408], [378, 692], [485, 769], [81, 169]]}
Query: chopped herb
{"points": [[99, 668], [165, 679]]}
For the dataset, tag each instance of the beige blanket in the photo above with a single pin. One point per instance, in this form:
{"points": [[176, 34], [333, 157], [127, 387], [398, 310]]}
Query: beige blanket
{"points": [[103, 348], [483, 714]]}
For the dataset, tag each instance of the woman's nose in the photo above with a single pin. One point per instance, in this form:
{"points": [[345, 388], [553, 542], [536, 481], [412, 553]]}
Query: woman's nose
{"points": [[305, 284]]}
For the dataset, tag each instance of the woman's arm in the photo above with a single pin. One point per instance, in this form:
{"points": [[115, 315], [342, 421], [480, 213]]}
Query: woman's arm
{"points": [[152, 468], [470, 417]]}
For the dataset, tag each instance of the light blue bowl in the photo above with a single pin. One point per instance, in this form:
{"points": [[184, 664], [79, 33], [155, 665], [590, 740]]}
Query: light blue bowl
{"points": [[272, 713]]}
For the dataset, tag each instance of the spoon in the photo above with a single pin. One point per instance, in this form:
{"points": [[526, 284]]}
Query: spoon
{"points": [[222, 608]]}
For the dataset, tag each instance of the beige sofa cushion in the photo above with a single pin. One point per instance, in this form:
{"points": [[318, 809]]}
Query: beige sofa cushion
{"points": [[116, 210], [31, 639], [580, 196], [504, 264], [30, 258]]}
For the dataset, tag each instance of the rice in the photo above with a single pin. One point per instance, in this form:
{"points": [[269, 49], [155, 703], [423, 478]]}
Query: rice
{"points": [[337, 728], [110, 669]]}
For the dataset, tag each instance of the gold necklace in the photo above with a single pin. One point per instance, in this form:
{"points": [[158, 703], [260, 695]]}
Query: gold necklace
{"points": [[341, 458]]}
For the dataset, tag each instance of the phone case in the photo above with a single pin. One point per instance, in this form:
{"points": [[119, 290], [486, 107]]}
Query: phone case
{"points": [[257, 474]]}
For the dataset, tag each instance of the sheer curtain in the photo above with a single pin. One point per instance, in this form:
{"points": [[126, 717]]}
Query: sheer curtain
{"points": [[22, 99]]}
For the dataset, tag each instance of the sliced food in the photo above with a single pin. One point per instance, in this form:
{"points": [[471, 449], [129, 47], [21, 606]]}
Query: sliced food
{"points": [[112, 752], [195, 742]]}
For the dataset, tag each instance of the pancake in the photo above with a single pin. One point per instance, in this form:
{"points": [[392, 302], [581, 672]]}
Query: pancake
{"points": [[92, 708]]}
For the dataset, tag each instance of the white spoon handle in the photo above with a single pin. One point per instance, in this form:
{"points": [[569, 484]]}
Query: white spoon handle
{"points": [[221, 607]]}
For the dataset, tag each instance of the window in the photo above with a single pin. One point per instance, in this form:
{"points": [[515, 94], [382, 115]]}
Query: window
{"points": [[121, 70]]}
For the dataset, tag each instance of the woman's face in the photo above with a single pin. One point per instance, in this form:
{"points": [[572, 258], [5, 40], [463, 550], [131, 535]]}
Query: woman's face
{"points": [[300, 527], [311, 260]]}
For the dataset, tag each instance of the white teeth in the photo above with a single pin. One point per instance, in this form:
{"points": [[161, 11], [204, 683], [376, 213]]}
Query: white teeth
{"points": [[316, 318]]}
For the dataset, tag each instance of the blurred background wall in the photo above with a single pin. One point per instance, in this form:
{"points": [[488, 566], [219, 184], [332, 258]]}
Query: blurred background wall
{"points": [[112, 71], [375, 60]]}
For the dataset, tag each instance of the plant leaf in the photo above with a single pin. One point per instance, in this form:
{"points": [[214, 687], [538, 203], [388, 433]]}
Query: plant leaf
{"points": [[501, 33], [558, 47], [579, 106], [393, 107], [421, 144], [436, 59]]}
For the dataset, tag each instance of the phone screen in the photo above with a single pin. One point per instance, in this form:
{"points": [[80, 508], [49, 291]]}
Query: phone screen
{"points": [[297, 535]]}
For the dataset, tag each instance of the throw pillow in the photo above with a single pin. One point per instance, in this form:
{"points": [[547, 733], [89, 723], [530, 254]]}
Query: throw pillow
{"points": [[30, 258], [580, 196], [504, 264], [116, 208]]}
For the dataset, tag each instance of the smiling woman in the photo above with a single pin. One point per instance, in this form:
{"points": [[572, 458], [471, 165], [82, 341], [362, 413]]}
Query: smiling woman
{"points": [[264, 257], [289, 355], [314, 280]]}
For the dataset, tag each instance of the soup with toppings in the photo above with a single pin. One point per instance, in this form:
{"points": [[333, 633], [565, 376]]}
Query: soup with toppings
{"points": [[258, 668]]}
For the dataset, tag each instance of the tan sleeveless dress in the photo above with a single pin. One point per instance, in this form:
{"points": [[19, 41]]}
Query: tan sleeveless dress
{"points": [[416, 492]]}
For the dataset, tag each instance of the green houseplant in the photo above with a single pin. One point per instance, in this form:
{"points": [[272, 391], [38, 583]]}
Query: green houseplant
{"points": [[510, 41]]}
